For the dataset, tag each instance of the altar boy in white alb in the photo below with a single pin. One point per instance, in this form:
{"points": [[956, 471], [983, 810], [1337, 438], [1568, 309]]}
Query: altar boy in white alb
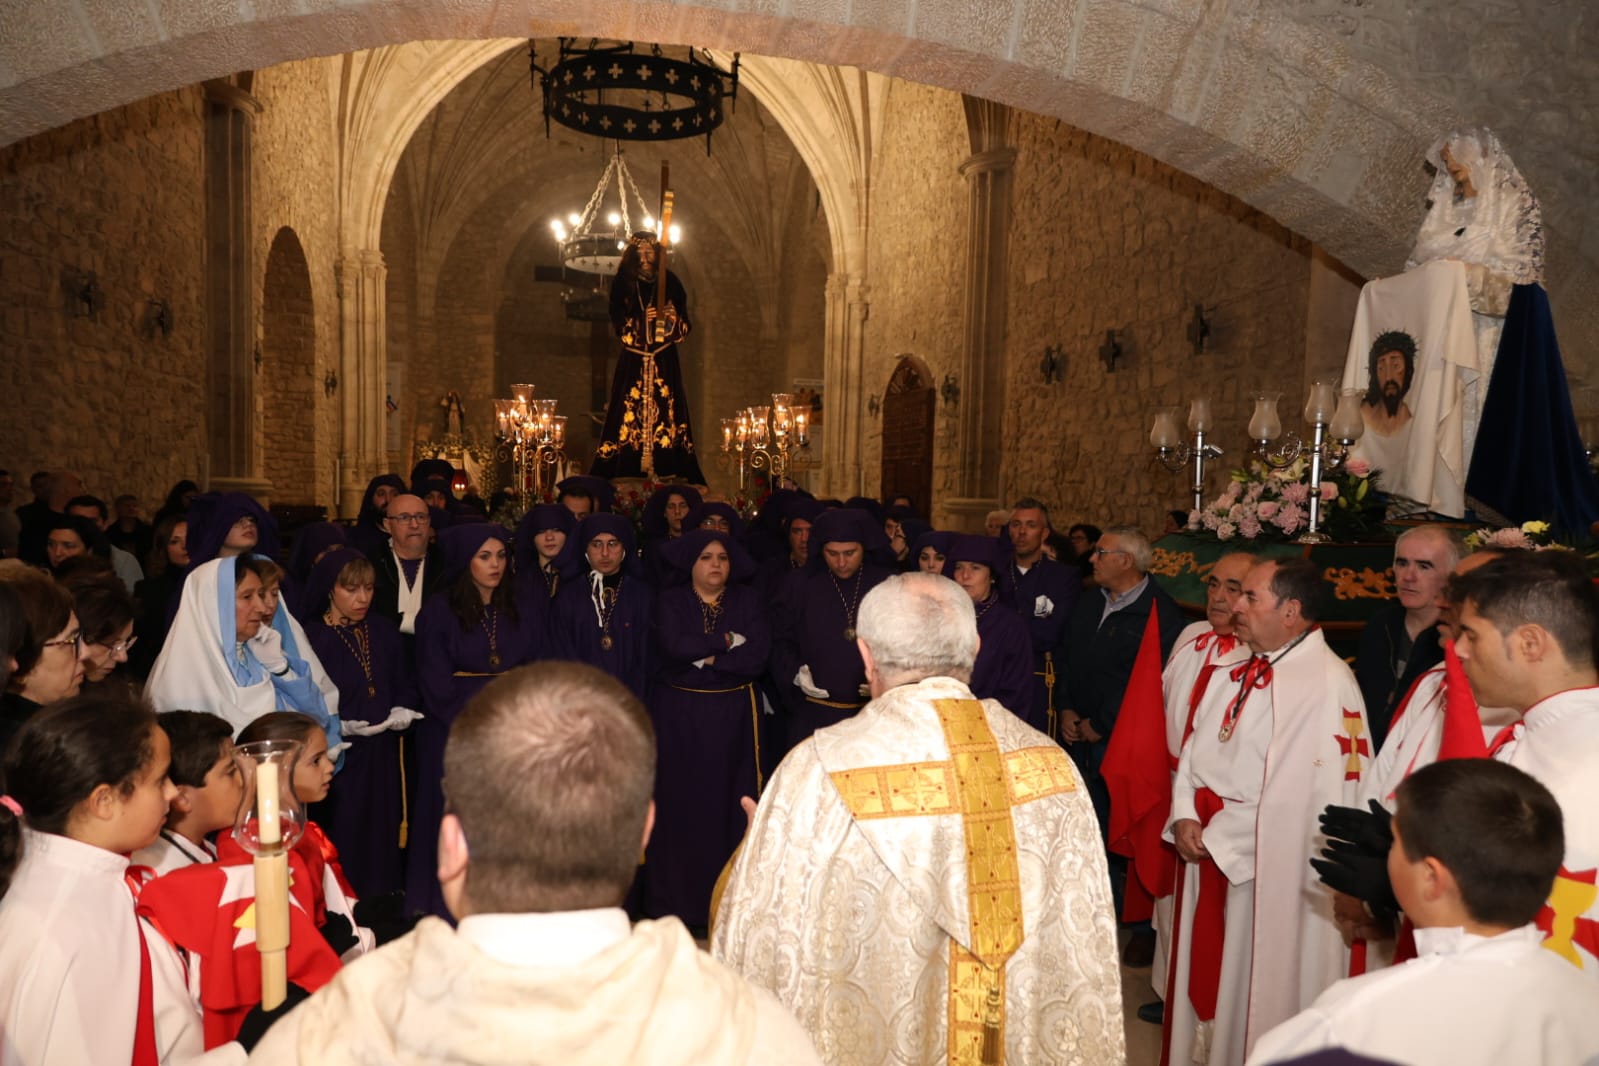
{"points": [[1274, 741], [1476, 847]]}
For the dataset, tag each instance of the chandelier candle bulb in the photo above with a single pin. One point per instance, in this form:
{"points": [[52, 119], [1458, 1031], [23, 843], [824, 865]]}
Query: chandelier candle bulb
{"points": [[1320, 403], [1264, 424], [1347, 422], [1199, 416], [1164, 432]]}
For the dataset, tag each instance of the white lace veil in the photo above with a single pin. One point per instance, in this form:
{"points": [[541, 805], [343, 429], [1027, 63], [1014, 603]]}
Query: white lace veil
{"points": [[1500, 228]]}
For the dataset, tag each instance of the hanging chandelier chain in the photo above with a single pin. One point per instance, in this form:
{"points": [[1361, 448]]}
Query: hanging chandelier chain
{"points": [[586, 220]]}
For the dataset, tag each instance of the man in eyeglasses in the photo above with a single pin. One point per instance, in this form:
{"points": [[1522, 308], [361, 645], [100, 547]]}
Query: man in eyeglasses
{"points": [[1102, 640], [410, 570]]}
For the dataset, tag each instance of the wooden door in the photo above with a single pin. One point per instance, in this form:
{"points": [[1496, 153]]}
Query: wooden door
{"points": [[908, 408]]}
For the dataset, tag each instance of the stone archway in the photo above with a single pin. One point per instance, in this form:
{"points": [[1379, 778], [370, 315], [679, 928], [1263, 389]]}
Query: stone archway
{"points": [[909, 406], [288, 372]]}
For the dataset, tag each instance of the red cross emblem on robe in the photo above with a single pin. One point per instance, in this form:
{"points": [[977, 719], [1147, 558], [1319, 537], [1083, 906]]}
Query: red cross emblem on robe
{"points": [[1562, 918], [1353, 745]]}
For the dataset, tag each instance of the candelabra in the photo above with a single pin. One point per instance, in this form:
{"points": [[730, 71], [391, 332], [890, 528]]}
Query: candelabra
{"points": [[1173, 453], [532, 441], [1335, 429], [775, 438]]}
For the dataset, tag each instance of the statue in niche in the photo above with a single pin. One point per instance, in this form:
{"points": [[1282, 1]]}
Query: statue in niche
{"points": [[454, 414]]}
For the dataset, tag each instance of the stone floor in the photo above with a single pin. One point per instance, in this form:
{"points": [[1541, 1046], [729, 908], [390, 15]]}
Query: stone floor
{"points": [[1143, 1039]]}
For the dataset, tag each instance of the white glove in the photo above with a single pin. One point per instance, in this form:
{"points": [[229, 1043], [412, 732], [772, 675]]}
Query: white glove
{"points": [[401, 718], [267, 645], [699, 664], [1043, 607], [807, 685], [339, 749], [738, 639]]}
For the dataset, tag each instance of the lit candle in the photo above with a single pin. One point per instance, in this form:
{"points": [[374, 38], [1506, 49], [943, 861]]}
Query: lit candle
{"points": [[266, 803]]}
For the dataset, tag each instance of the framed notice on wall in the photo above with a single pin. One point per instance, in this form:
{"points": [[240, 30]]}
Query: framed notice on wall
{"points": [[809, 391]]}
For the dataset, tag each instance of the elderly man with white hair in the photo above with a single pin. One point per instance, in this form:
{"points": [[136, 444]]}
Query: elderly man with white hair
{"points": [[924, 882]]}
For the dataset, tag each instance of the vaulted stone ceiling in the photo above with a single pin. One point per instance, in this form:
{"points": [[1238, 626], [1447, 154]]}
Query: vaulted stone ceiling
{"points": [[1315, 111], [483, 148]]}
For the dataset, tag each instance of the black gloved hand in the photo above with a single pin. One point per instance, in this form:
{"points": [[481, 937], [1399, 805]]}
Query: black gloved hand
{"points": [[339, 933], [1370, 830], [1354, 871], [259, 1020]]}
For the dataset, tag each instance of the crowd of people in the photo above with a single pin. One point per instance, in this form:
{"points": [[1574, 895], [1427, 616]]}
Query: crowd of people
{"points": [[915, 788]]}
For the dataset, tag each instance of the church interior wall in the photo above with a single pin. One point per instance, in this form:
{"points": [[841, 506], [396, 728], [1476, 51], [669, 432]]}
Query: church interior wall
{"points": [[121, 195], [915, 253], [1105, 238], [406, 368], [294, 184]]}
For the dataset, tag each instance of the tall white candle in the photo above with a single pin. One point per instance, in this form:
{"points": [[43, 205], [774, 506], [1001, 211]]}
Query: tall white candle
{"points": [[266, 802]]}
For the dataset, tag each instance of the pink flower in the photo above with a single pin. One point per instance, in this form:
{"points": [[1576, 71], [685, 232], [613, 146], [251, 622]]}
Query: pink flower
{"points": [[1249, 528], [1508, 538], [1225, 531], [1255, 489], [1358, 467], [1236, 513], [1267, 508], [1329, 491], [1289, 519], [1297, 493]]}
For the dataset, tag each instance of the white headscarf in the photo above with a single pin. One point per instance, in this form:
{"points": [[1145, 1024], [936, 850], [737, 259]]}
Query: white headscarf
{"points": [[1500, 228], [204, 667]]}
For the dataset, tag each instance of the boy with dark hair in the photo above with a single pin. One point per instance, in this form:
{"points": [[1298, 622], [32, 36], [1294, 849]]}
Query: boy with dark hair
{"points": [[1477, 845], [209, 790]]}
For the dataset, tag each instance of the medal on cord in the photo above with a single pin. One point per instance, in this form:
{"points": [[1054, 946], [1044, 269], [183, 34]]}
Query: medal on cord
{"points": [[1255, 673], [360, 648], [491, 628], [850, 609]]}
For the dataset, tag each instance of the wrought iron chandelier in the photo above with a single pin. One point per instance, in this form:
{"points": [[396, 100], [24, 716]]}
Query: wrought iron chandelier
{"points": [[594, 244], [609, 89]]}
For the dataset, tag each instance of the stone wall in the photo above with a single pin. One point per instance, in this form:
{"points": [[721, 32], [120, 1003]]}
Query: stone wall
{"points": [[915, 246], [1101, 238], [1105, 238], [295, 184], [120, 194], [288, 351]]}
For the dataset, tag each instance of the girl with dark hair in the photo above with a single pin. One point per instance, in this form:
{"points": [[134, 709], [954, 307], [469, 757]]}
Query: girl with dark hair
{"points": [[105, 620], [663, 521], [468, 633], [81, 978], [49, 656], [364, 657], [177, 502], [163, 577], [540, 536], [312, 781], [68, 536]]}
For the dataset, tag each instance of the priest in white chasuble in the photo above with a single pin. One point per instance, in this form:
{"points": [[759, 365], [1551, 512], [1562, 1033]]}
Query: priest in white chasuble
{"points": [[925, 882], [1255, 940]]}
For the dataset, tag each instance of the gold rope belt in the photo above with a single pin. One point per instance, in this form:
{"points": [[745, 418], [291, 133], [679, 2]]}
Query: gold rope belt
{"points": [[755, 720], [835, 703]]}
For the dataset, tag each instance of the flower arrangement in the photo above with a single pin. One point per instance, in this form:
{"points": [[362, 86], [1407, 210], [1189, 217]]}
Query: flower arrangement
{"points": [[1529, 536], [1266, 503]]}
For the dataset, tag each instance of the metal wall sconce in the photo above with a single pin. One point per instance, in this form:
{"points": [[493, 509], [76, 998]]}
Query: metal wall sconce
{"points": [[1199, 328], [157, 319], [874, 405], [82, 296], [1110, 351], [950, 390], [330, 384], [1053, 364]]}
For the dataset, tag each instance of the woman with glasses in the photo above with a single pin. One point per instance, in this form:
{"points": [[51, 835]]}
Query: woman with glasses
{"points": [[50, 656], [105, 617]]}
